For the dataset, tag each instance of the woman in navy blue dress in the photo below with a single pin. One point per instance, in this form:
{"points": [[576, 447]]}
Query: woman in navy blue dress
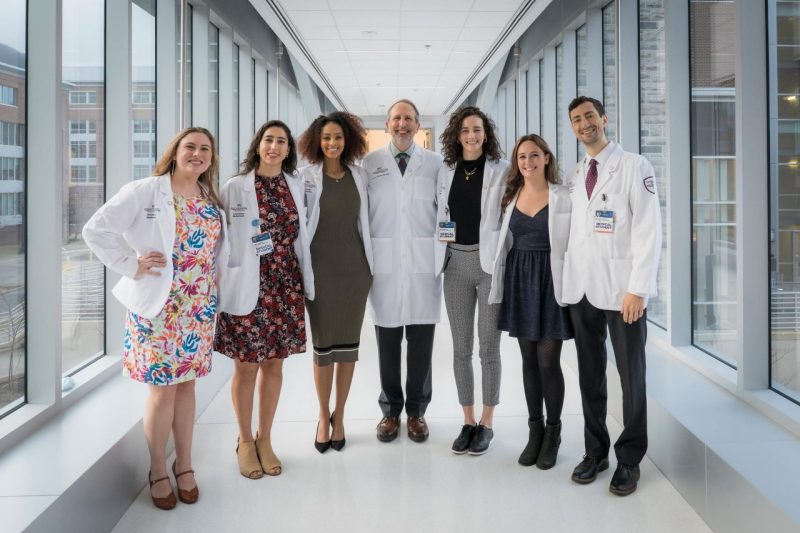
{"points": [[527, 276]]}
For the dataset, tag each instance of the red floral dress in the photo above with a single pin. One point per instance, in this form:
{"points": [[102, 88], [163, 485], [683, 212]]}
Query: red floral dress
{"points": [[276, 328]]}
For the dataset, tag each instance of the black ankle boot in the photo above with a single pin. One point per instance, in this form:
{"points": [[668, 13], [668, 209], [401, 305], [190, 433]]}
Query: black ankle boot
{"points": [[535, 435], [550, 444]]}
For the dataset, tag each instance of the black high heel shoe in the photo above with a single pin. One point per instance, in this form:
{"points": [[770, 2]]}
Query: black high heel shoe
{"points": [[321, 447], [336, 444]]}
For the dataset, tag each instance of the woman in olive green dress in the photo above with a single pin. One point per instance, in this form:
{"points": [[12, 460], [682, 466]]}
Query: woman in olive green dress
{"points": [[341, 256]]}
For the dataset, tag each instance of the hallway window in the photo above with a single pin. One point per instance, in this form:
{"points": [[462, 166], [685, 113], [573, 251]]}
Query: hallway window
{"points": [[82, 278], [713, 130], [784, 159], [213, 81], [541, 96], [610, 68], [581, 49], [559, 106], [652, 128], [12, 191], [143, 82], [236, 112]]}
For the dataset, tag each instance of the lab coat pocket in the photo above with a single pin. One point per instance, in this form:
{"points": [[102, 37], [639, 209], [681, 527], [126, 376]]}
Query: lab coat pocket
{"points": [[383, 255], [620, 277], [422, 255]]}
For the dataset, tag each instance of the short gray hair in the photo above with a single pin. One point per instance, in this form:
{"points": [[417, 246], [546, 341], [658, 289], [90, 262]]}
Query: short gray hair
{"points": [[403, 101]]}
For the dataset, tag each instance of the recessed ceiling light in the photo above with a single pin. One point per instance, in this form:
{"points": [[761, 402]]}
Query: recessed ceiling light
{"points": [[369, 32]]}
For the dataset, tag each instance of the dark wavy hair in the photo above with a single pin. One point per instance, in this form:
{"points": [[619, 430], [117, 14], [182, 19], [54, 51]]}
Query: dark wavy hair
{"points": [[208, 179], [514, 177], [355, 138], [251, 160], [451, 145]]}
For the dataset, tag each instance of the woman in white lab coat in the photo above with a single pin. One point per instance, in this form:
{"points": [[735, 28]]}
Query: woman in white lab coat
{"points": [[262, 319], [341, 256], [527, 279], [471, 184], [172, 303]]}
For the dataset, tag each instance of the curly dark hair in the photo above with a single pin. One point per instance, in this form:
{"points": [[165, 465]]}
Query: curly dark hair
{"points": [[451, 145], [251, 160], [355, 138], [514, 177]]}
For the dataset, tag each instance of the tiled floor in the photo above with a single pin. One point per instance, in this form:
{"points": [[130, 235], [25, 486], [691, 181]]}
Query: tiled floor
{"points": [[405, 486]]}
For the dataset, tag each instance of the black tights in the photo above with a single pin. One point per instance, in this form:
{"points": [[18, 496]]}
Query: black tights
{"points": [[542, 377]]}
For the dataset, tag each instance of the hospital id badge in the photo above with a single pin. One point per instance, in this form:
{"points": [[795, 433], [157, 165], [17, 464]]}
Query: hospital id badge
{"points": [[262, 243], [447, 231], [603, 221]]}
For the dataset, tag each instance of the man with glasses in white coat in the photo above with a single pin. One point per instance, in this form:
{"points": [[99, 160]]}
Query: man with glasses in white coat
{"points": [[406, 294]]}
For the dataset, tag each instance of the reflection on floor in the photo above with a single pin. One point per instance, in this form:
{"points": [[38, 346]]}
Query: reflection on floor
{"points": [[404, 486]]}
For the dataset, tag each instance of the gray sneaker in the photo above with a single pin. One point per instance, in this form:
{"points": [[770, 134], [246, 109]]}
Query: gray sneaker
{"points": [[481, 441]]}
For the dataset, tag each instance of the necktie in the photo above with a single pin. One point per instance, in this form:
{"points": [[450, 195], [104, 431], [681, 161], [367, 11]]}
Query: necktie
{"points": [[591, 177], [402, 162]]}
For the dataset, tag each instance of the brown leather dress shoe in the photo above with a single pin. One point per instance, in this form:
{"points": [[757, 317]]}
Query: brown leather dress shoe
{"points": [[417, 428], [387, 428]]}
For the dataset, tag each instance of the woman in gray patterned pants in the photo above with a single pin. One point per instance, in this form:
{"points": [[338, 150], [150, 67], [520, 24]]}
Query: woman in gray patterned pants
{"points": [[471, 185]]}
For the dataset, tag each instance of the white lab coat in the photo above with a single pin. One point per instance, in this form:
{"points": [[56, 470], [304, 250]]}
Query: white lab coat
{"points": [[313, 183], [494, 185], [143, 214], [605, 266], [406, 282], [558, 217], [240, 290]]}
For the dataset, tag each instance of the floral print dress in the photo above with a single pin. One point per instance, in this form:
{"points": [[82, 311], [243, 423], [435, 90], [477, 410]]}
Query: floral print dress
{"points": [[276, 328], [176, 345]]}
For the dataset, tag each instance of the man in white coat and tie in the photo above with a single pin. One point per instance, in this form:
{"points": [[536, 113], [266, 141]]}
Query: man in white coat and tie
{"points": [[609, 273], [406, 294]]}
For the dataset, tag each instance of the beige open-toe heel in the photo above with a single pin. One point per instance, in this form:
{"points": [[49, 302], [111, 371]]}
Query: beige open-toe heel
{"points": [[270, 463], [247, 456]]}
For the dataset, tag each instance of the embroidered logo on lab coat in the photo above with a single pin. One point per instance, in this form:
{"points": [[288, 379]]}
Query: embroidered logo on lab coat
{"points": [[650, 184]]}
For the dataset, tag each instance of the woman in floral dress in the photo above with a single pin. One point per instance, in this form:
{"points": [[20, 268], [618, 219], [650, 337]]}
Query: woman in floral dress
{"points": [[169, 329], [262, 319]]}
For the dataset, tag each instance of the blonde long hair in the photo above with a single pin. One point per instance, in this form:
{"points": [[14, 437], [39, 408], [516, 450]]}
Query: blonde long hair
{"points": [[208, 179]]}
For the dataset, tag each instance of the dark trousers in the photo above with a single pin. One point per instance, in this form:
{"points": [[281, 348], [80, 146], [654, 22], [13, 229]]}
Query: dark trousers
{"points": [[628, 341], [419, 340]]}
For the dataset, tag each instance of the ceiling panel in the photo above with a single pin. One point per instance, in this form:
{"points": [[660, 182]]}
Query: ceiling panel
{"points": [[433, 19], [375, 52]]}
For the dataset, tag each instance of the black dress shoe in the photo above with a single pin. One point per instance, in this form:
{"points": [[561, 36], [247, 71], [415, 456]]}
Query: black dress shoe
{"points": [[587, 470], [336, 444], [321, 447], [481, 441], [461, 444], [625, 479]]}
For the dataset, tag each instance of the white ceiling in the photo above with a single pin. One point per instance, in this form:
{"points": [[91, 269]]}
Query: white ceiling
{"points": [[376, 51]]}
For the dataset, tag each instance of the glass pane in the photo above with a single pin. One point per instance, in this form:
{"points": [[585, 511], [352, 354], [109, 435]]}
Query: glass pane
{"points": [[12, 205], [143, 87], [785, 201], [559, 105], [187, 100], [581, 36], [652, 127], [714, 239], [213, 80], [236, 113], [610, 68], [82, 281], [541, 95]]}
